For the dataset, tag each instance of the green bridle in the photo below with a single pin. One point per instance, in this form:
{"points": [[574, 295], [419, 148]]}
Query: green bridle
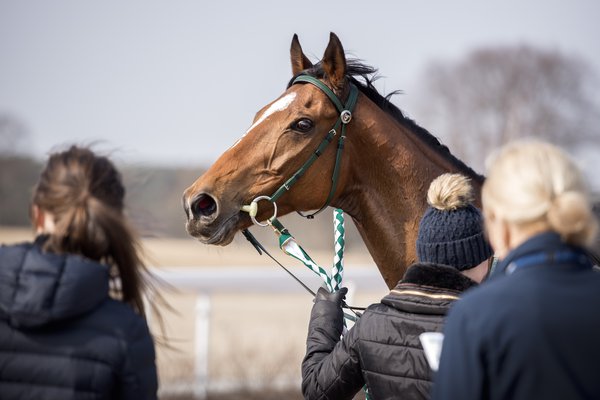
{"points": [[345, 117]]}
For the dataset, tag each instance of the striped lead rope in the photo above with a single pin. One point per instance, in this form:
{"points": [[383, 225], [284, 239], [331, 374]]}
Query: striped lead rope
{"points": [[333, 282], [290, 246]]}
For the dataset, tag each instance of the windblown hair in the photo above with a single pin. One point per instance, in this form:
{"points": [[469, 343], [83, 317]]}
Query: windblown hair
{"points": [[85, 195], [449, 192], [531, 181]]}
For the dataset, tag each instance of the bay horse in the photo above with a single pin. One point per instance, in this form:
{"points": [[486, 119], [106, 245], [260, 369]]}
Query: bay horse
{"points": [[384, 173]]}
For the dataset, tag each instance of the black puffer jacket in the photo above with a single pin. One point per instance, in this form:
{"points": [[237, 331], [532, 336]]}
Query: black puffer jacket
{"points": [[62, 337], [382, 350]]}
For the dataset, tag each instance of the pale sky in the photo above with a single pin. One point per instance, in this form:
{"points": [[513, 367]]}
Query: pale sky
{"points": [[178, 82]]}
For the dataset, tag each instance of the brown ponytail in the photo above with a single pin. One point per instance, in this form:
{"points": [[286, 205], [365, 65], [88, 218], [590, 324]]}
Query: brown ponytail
{"points": [[85, 194]]}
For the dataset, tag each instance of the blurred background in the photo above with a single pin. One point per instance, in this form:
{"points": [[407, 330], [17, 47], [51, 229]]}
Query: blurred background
{"points": [[165, 87]]}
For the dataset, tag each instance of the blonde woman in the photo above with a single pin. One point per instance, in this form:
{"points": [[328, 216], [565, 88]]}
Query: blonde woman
{"points": [[532, 330]]}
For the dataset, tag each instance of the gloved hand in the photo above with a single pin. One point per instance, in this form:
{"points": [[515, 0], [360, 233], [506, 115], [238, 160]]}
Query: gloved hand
{"points": [[335, 297]]}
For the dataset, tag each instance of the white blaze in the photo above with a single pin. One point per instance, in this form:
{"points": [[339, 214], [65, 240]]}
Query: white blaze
{"points": [[279, 105]]}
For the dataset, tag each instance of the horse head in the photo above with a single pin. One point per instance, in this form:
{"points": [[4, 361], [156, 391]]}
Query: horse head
{"points": [[380, 179], [283, 135]]}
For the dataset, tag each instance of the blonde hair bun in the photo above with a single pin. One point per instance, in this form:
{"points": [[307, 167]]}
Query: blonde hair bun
{"points": [[570, 215], [449, 192]]}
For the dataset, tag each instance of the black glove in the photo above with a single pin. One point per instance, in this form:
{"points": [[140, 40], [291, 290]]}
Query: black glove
{"points": [[335, 297]]}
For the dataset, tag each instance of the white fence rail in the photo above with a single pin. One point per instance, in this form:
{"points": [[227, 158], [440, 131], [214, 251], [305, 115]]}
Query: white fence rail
{"points": [[269, 279]]}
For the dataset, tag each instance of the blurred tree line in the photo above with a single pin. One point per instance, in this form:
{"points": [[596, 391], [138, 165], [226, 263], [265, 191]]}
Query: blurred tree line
{"points": [[474, 104], [495, 95]]}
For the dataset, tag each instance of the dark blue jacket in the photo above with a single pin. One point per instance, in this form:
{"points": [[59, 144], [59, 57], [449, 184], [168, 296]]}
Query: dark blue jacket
{"points": [[531, 332], [62, 337]]}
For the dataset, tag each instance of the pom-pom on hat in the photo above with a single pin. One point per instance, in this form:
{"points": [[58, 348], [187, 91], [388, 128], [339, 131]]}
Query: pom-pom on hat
{"points": [[451, 230]]}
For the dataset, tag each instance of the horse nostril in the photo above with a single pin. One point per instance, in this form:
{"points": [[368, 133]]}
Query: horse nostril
{"points": [[203, 206]]}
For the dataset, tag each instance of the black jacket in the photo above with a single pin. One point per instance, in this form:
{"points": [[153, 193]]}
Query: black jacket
{"points": [[382, 350], [62, 337], [530, 332]]}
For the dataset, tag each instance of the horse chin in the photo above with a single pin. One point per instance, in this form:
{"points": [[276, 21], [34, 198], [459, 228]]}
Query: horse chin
{"points": [[218, 240], [214, 234]]}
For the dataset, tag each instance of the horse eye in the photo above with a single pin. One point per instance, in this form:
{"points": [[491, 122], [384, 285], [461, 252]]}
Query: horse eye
{"points": [[302, 125]]}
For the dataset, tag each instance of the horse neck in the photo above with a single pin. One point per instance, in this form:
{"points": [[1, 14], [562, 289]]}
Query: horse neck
{"points": [[385, 192]]}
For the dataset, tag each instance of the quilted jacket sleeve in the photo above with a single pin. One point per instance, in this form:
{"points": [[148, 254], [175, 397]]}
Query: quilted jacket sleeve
{"points": [[139, 379], [331, 368]]}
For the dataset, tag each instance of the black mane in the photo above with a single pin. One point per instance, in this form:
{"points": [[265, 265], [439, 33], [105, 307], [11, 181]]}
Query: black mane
{"points": [[363, 76]]}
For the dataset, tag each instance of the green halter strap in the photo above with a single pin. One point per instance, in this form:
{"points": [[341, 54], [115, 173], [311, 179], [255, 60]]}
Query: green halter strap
{"points": [[344, 118]]}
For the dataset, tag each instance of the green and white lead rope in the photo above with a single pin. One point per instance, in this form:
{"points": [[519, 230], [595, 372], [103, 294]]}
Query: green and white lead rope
{"points": [[332, 281], [289, 245], [339, 244]]}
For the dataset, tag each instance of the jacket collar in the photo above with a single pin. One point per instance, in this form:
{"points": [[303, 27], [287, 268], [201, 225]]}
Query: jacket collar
{"points": [[543, 242], [428, 289]]}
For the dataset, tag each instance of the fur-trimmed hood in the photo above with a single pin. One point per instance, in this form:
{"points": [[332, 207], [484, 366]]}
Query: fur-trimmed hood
{"points": [[428, 289]]}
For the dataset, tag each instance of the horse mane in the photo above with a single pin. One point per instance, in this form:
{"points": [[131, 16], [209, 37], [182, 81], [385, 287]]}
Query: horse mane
{"points": [[363, 76]]}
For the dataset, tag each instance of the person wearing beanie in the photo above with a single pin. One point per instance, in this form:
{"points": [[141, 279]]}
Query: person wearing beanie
{"points": [[451, 231], [383, 350]]}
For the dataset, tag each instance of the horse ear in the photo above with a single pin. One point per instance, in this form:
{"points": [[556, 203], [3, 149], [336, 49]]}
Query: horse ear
{"points": [[299, 61], [334, 62]]}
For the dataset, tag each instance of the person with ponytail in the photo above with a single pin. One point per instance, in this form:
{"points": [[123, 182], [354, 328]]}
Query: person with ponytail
{"points": [[532, 330], [72, 322], [383, 349]]}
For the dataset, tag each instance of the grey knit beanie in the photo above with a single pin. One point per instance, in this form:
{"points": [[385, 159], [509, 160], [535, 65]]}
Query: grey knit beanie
{"points": [[451, 230]]}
